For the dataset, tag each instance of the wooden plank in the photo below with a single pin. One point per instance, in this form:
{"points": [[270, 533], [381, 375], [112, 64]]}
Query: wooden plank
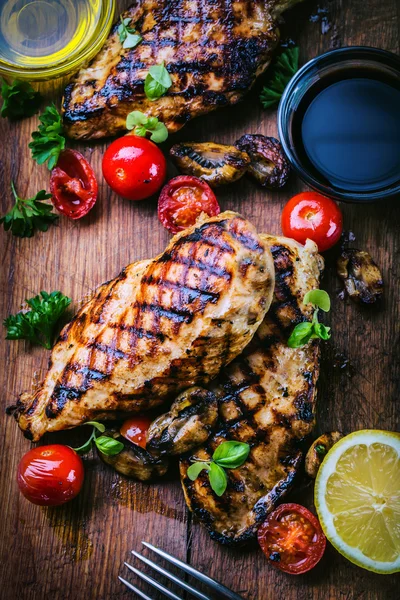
{"points": [[77, 551]]}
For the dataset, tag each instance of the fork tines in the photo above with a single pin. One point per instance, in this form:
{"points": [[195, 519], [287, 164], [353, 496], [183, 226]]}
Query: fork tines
{"points": [[221, 590]]}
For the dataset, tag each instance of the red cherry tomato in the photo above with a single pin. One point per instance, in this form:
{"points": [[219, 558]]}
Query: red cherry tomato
{"points": [[292, 539], [73, 185], [134, 167], [183, 199], [311, 215], [135, 430], [50, 475]]}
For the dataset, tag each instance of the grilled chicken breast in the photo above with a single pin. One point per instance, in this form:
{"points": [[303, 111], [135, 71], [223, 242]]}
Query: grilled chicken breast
{"points": [[162, 325], [213, 49], [266, 397]]}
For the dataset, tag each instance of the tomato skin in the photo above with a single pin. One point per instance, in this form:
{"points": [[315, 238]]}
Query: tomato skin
{"points": [[50, 475], [311, 215], [292, 539], [73, 185], [134, 167], [135, 429], [183, 199]]}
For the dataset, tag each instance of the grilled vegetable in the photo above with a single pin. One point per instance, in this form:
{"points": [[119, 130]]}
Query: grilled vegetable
{"points": [[217, 164], [268, 164], [362, 277], [187, 425], [133, 461], [318, 450]]}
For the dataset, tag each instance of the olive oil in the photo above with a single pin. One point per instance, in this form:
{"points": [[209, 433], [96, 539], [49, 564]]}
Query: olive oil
{"points": [[38, 34]]}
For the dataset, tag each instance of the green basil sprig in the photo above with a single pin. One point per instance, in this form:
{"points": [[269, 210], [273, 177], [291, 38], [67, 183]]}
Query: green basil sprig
{"points": [[128, 36], [228, 455], [142, 125], [304, 332], [157, 82], [106, 445]]}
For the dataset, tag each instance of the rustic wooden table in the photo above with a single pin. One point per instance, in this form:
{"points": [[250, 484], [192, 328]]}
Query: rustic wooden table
{"points": [[76, 552]]}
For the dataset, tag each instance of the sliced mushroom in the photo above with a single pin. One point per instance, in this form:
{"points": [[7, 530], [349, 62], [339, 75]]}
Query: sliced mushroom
{"points": [[215, 163], [362, 277], [187, 425], [134, 461], [268, 165], [318, 450]]}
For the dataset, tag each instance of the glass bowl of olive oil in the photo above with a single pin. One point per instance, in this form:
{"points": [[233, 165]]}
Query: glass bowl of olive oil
{"points": [[45, 39]]}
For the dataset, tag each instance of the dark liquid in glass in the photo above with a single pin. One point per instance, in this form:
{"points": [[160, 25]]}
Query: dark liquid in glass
{"points": [[349, 132]]}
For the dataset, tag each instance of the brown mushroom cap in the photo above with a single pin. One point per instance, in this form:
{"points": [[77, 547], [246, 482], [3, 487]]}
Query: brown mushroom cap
{"points": [[361, 276], [269, 165]]}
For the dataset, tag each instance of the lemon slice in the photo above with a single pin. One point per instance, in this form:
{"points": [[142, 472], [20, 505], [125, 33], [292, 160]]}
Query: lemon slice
{"points": [[357, 497]]}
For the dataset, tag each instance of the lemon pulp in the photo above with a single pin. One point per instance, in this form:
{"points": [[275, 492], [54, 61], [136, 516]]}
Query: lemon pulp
{"points": [[357, 497]]}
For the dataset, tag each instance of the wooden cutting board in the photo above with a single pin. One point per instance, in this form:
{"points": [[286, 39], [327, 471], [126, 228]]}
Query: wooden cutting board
{"points": [[76, 552]]}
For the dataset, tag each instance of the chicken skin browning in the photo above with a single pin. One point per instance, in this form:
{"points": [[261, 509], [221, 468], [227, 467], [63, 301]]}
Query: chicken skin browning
{"points": [[161, 326], [213, 50], [266, 398]]}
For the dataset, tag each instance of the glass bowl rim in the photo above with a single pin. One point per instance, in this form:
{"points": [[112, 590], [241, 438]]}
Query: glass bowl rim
{"points": [[364, 52]]}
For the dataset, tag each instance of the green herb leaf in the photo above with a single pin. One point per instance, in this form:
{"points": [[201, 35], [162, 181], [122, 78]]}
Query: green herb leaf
{"points": [[142, 125], [218, 479], [320, 449], [28, 216], [38, 324], [281, 72], [108, 445], [87, 446], [48, 141], [157, 82], [318, 298], [99, 426], [231, 454], [196, 468], [300, 335], [321, 331], [128, 36], [19, 100]]}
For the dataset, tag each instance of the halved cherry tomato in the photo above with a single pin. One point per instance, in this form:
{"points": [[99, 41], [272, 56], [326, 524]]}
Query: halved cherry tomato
{"points": [[73, 185], [292, 539], [135, 430], [134, 167], [311, 215], [50, 475], [183, 199]]}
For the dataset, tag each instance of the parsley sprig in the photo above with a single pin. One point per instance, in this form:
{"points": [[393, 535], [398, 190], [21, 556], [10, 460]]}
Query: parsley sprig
{"points": [[281, 72], [27, 216], [38, 324], [48, 141], [157, 82], [19, 100], [228, 455], [304, 332], [128, 36], [142, 125], [105, 444]]}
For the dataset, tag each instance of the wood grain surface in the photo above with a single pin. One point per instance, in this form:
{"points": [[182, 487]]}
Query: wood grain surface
{"points": [[77, 551]]}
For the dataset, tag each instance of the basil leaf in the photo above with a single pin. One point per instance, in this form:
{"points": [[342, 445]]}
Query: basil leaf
{"points": [[318, 298], [160, 74], [108, 445], [300, 335], [153, 89], [136, 117], [321, 331], [231, 454], [99, 426], [140, 130], [196, 468], [132, 40], [218, 479], [86, 447], [159, 133]]}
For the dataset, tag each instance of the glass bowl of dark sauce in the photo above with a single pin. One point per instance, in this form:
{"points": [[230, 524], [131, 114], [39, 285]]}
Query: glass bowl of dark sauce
{"points": [[339, 124]]}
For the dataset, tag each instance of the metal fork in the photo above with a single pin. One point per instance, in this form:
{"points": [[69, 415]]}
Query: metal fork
{"points": [[221, 590]]}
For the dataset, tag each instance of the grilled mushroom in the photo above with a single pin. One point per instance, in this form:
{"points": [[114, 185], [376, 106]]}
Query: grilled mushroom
{"points": [[318, 450], [215, 163], [362, 277], [187, 425], [268, 165], [134, 461]]}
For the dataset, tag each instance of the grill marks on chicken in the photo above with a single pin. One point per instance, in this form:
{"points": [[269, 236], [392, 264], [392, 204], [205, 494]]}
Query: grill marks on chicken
{"points": [[213, 49], [159, 327], [266, 398]]}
